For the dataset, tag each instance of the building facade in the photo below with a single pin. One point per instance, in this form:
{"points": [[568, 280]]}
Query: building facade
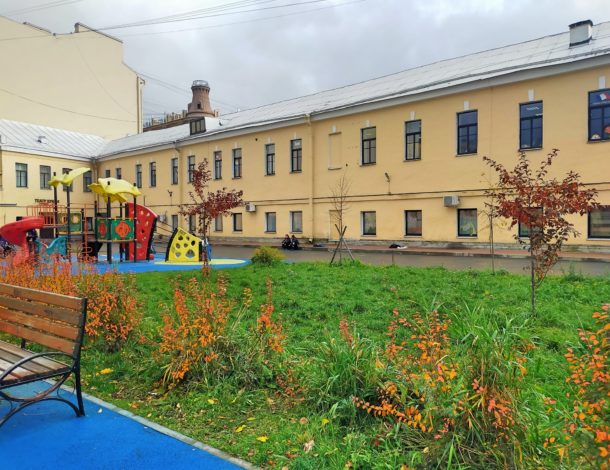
{"points": [[410, 146]]}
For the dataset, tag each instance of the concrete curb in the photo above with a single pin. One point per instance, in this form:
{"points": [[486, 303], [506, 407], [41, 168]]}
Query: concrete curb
{"points": [[567, 257]]}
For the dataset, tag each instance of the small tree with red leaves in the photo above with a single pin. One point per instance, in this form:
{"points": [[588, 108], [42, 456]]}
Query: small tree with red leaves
{"points": [[206, 205], [541, 203]]}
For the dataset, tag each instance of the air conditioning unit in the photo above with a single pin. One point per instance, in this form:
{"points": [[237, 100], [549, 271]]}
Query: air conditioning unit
{"points": [[451, 201], [250, 207]]}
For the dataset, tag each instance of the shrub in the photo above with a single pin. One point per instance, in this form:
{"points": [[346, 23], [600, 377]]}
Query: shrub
{"points": [[582, 435], [203, 339], [113, 311], [446, 407], [267, 256]]}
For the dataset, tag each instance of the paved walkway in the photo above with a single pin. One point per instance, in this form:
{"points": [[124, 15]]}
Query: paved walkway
{"points": [[50, 436], [515, 261]]}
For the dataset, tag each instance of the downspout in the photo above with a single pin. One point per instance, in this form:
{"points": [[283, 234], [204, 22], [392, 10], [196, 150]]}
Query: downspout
{"points": [[311, 181]]}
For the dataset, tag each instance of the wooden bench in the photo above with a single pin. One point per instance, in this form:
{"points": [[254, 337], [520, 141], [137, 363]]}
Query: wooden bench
{"points": [[55, 322]]}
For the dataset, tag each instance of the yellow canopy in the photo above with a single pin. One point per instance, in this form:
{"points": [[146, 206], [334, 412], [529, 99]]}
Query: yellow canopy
{"points": [[114, 189], [66, 179], [99, 189]]}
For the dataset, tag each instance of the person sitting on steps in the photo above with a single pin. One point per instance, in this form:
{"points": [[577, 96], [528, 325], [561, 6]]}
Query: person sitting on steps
{"points": [[286, 243], [294, 243]]}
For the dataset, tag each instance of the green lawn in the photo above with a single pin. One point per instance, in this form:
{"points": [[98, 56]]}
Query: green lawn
{"points": [[312, 298]]}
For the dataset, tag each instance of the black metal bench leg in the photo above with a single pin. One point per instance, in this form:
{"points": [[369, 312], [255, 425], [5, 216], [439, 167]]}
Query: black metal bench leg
{"points": [[79, 395]]}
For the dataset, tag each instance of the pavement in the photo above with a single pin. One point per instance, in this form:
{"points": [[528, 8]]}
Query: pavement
{"points": [[48, 435], [514, 261]]}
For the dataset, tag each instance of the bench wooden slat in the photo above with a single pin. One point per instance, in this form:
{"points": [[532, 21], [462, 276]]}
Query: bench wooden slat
{"points": [[73, 303], [14, 353], [15, 375], [57, 313], [39, 323], [44, 362], [53, 342], [13, 358]]}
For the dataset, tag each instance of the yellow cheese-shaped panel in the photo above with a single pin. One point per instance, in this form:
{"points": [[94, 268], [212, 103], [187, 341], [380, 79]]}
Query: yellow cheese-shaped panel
{"points": [[184, 247]]}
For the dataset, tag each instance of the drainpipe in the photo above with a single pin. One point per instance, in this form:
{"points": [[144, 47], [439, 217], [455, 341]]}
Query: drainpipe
{"points": [[311, 181]]}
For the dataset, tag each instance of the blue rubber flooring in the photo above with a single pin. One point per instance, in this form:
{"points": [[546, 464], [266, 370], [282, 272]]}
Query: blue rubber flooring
{"points": [[48, 435], [159, 265]]}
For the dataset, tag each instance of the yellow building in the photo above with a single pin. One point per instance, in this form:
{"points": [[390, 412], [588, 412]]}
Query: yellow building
{"points": [[411, 146], [75, 81]]}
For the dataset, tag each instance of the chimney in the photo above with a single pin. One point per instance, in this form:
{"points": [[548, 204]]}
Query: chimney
{"points": [[200, 107], [580, 33]]}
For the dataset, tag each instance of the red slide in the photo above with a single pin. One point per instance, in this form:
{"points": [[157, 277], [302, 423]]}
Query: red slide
{"points": [[15, 233]]}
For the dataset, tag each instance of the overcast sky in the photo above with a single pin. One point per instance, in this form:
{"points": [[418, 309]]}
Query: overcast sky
{"points": [[271, 54]]}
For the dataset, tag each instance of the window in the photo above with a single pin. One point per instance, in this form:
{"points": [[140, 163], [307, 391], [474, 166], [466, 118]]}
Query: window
{"points": [[467, 132], [87, 180], [139, 175], [107, 173], [218, 165], [270, 159], [236, 163], [174, 221], [467, 222], [152, 168], [218, 223], [190, 168], [270, 222], [599, 115], [530, 125], [119, 173], [296, 156], [296, 221], [174, 171], [192, 223], [197, 127], [413, 140], [369, 223], [413, 223], [65, 171], [599, 222], [524, 230], [369, 145], [237, 227], [21, 170], [45, 176]]}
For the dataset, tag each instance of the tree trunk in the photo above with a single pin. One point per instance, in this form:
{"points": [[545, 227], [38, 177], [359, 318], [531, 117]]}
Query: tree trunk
{"points": [[491, 244], [533, 282]]}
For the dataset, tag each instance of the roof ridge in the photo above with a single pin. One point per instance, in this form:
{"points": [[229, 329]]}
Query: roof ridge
{"points": [[228, 116]]}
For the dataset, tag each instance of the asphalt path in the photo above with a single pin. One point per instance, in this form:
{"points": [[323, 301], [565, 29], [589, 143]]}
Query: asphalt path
{"points": [[513, 265]]}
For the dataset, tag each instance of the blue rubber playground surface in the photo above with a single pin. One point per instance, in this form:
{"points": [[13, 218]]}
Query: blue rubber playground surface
{"points": [[48, 435], [159, 264]]}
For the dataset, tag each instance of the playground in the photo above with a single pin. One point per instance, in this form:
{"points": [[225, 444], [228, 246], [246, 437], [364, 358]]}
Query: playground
{"points": [[116, 233]]}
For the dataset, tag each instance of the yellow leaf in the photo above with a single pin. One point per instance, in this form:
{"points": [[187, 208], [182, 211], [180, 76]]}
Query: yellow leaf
{"points": [[211, 401], [325, 421], [262, 438], [251, 419], [105, 371], [240, 428]]}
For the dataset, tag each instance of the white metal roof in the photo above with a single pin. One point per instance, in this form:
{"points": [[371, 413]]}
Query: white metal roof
{"points": [[25, 137], [538, 53]]}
